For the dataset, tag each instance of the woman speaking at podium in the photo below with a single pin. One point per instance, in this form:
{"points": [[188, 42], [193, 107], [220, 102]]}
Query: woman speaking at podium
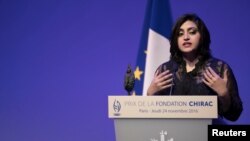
{"points": [[192, 70]]}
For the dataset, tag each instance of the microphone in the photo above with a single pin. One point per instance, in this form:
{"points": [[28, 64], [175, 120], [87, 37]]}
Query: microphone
{"points": [[172, 67], [171, 88], [129, 80]]}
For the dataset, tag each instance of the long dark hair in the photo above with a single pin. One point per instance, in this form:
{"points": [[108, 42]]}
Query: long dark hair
{"points": [[203, 50]]}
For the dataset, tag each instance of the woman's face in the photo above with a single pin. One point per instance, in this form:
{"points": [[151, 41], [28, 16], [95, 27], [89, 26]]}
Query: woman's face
{"points": [[188, 37]]}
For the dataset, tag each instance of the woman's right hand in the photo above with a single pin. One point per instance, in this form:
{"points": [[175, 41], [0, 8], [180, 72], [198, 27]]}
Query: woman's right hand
{"points": [[160, 81]]}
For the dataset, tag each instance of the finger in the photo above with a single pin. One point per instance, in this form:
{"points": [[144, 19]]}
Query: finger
{"points": [[163, 79], [209, 74], [207, 77], [164, 74], [212, 72], [206, 82], [157, 73], [166, 82], [167, 86], [225, 74], [167, 76]]}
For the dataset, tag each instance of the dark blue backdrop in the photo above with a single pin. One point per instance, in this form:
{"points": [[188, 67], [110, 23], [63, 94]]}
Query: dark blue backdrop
{"points": [[59, 60]]}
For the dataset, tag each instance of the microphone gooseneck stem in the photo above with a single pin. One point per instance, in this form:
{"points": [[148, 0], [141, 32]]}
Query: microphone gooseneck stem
{"points": [[171, 89]]}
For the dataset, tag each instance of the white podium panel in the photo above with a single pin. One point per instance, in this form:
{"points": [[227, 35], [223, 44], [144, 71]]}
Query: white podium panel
{"points": [[162, 118]]}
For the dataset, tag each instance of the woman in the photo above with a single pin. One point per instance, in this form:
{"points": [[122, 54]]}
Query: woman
{"points": [[192, 70]]}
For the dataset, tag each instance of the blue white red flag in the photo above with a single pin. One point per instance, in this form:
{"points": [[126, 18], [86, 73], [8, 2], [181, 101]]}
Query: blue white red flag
{"points": [[154, 45]]}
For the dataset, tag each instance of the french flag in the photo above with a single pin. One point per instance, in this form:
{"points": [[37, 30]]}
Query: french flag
{"points": [[154, 44]]}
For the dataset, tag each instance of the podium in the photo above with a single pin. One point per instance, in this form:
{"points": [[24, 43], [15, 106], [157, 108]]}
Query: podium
{"points": [[162, 118]]}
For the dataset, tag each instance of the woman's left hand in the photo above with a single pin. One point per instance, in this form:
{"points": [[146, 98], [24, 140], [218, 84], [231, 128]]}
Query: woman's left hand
{"points": [[215, 82]]}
